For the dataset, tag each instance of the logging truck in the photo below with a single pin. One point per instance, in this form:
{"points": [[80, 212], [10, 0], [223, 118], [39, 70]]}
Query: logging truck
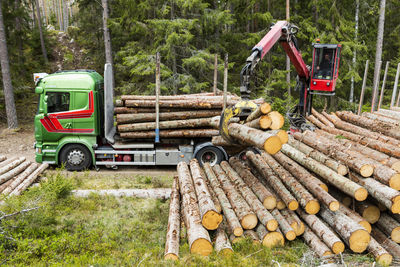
{"points": [[74, 126]]}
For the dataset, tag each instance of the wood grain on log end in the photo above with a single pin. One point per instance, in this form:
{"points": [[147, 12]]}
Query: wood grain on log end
{"points": [[290, 235], [202, 247], [265, 122], [283, 136], [396, 234], [396, 166], [277, 120], [366, 170], [361, 194], [272, 225], [334, 205], [249, 221], [312, 207], [324, 187], [293, 205], [280, 205], [366, 225], [211, 220], [273, 239], [270, 202], [371, 214], [238, 231], [338, 247], [359, 240], [171, 257], [234, 238], [395, 206], [394, 181], [384, 259], [272, 145], [342, 169], [265, 108]]}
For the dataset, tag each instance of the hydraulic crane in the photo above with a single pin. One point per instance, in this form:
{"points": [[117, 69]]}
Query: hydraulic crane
{"points": [[319, 78]]}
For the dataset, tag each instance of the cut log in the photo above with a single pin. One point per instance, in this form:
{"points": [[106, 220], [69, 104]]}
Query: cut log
{"points": [[246, 216], [263, 122], [283, 135], [389, 113], [178, 97], [263, 140], [14, 163], [173, 230], [6, 184], [14, 172], [280, 204], [285, 227], [273, 180], [255, 204], [262, 109], [355, 236], [20, 178], [294, 221], [264, 195], [126, 110], [277, 120], [252, 235], [368, 211], [119, 103], [220, 141], [269, 239], [316, 245], [318, 156], [312, 183], [356, 217], [198, 238], [184, 133], [2, 158], [386, 242], [29, 180], [155, 193], [321, 118], [315, 121], [349, 187], [212, 193], [325, 233], [193, 103], [177, 124], [231, 218], [381, 118], [222, 244], [389, 226], [182, 115], [305, 199], [382, 257], [385, 195]]}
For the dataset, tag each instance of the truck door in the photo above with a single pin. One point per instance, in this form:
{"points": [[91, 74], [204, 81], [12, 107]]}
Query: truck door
{"points": [[83, 119]]}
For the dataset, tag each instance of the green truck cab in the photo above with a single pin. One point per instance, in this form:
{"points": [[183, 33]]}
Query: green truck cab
{"points": [[74, 126]]}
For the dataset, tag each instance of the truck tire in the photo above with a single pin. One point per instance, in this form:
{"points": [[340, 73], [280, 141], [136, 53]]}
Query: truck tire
{"points": [[210, 154], [75, 157]]}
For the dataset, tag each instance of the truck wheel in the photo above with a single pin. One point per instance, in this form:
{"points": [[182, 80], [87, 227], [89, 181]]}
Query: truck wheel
{"points": [[75, 157], [210, 154]]}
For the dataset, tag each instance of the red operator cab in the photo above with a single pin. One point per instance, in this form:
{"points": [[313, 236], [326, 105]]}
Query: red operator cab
{"points": [[325, 68]]}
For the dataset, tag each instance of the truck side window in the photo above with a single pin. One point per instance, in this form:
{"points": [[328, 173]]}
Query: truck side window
{"points": [[57, 102]]}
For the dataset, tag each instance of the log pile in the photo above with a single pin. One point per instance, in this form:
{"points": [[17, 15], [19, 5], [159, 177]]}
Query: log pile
{"points": [[17, 174]]}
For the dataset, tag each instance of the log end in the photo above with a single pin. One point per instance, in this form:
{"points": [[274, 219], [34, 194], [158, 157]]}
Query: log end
{"points": [[396, 234], [265, 122], [272, 145], [171, 256], [234, 239], [283, 136], [371, 214], [361, 194], [273, 239], [226, 252], [312, 207], [249, 221], [359, 240], [338, 247], [270, 203], [324, 187], [394, 181], [395, 208], [366, 170], [290, 235], [211, 220], [384, 259], [334, 205], [298, 228], [238, 231], [396, 166], [293, 205], [366, 225], [277, 120], [265, 108], [272, 225], [342, 170], [202, 247], [280, 205]]}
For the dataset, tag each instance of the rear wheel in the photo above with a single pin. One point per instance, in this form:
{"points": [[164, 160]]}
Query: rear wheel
{"points": [[210, 154], [75, 157]]}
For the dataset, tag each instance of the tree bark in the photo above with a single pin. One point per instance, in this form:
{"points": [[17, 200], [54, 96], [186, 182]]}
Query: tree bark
{"points": [[356, 217], [389, 226], [150, 117], [262, 109], [222, 244], [383, 119], [308, 180], [29, 180], [173, 229], [339, 181], [263, 194], [269, 239], [11, 111], [304, 198], [386, 242], [263, 122], [324, 232], [316, 245], [14, 172], [354, 66], [201, 96], [382, 257], [184, 133], [126, 110], [274, 181], [246, 216], [389, 113], [214, 197], [294, 221], [198, 237], [285, 227], [42, 44], [210, 218], [262, 213], [252, 235], [19, 179], [231, 218], [11, 165], [355, 236], [107, 38], [322, 118], [192, 103], [176, 124]]}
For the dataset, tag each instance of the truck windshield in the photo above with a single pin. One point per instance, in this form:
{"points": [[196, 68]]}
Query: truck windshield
{"points": [[323, 63]]}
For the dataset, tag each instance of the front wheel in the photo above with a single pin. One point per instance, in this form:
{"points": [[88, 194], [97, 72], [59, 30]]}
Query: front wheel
{"points": [[75, 157], [210, 154]]}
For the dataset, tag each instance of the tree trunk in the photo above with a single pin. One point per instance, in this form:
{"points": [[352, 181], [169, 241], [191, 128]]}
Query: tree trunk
{"points": [[222, 244], [176, 124], [308, 180], [263, 194], [355, 236], [198, 238], [305, 199], [29, 180], [231, 218], [356, 217], [11, 112], [184, 133], [386, 242], [262, 109], [150, 117], [263, 122], [389, 226], [252, 235], [316, 245], [262, 213], [11, 165], [325, 233], [322, 118], [378, 53], [354, 66], [246, 216], [14, 172], [19, 179], [42, 44], [382, 257], [173, 230], [274, 181], [339, 181], [294, 221], [210, 218], [269, 239], [320, 157], [285, 227]]}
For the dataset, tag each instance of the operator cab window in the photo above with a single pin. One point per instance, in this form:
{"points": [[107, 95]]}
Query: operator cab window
{"points": [[57, 102], [323, 63]]}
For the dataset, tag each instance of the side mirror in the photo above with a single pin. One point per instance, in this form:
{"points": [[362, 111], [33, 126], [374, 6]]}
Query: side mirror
{"points": [[45, 98], [38, 90]]}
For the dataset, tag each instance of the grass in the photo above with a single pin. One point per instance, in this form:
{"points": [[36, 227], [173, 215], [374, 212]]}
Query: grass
{"points": [[104, 231]]}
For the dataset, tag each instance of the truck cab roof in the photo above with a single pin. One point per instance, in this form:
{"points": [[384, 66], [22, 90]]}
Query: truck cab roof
{"points": [[73, 79]]}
